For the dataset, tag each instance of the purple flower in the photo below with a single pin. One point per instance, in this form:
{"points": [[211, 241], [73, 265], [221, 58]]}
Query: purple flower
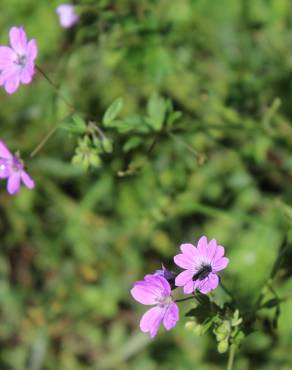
{"points": [[67, 15], [12, 169], [155, 290], [17, 61], [201, 264]]}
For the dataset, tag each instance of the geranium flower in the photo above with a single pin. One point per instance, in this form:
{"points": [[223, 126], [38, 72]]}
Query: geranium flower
{"points": [[67, 15], [201, 264], [12, 169], [17, 62], [155, 290]]}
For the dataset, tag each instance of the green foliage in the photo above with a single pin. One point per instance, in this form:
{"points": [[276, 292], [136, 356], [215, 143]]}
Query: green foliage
{"points": [[199, 142], [112, 112]]}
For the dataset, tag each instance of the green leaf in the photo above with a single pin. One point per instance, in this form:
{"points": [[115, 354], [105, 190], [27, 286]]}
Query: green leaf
{"points": [[112, 112], [132, 143], [133, 123], [75, 125], [156, 109]]}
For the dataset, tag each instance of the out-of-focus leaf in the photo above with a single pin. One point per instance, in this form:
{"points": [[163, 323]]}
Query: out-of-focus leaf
{"points": [[112, 112]]}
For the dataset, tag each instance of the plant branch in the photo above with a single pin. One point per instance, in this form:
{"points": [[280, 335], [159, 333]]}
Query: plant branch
{"points": [[231, 356], [185, 299], [56, 88]]}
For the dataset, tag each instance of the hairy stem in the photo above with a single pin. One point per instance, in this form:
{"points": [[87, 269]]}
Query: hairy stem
{"points": [[47, 137], [182, 142], [185, 299], [231, 356], [55, 87], [226, 290], [43, 141]]}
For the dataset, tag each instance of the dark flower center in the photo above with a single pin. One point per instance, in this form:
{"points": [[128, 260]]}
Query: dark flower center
{"points": [[21, 60], [203, 272]]}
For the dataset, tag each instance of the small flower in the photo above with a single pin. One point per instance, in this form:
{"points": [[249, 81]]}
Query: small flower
{"points": [[12, 169], [201, 264], [67, 15], [155, 290], [17, 61]]}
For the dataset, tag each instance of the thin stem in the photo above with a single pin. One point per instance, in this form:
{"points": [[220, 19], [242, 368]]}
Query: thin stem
{"points": [[231, 356], [93, 125], [43, 141], [226, 290], [185, 299], [47, 137], [56, 88], [278, 301], [286, 297], [192, 150]]}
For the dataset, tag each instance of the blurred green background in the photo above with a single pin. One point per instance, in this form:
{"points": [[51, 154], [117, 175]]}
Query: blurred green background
{"points": [[71, 249]]}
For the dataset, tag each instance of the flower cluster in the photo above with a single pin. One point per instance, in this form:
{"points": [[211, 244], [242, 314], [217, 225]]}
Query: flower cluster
{"points": [[201, 265], [17, 65]]}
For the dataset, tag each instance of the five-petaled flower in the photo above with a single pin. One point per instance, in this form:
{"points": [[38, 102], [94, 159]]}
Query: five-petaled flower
{"points": [[155, 290], [17, 62], [67, 15], [12, 169], [201, 264]]}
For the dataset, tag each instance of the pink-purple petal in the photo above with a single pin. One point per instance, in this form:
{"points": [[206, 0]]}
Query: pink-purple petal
{"points": [[144, 293], [202, 245], [220, 264], [209, 283], [219, 253], [189, 250], [12, 84], [171, 316], [211, 250], [27, 180], [17, 39], [4, 170], [183, 261], [32, 49], [160, 283], [7, 55], [189, 287], [26, 76], [13, 183], [4, 151], [151, 320], [183, 278]]}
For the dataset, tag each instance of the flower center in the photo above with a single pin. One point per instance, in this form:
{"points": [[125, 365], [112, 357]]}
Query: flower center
{"points": [[2, 167], [21, 60], [164, 301], [203, 272]]}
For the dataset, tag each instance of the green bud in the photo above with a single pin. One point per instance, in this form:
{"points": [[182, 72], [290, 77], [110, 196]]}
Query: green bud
{"points": [[107, 145], [222, 346], [198, 330], [94, 160], [190, 325], [221, 336]]}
